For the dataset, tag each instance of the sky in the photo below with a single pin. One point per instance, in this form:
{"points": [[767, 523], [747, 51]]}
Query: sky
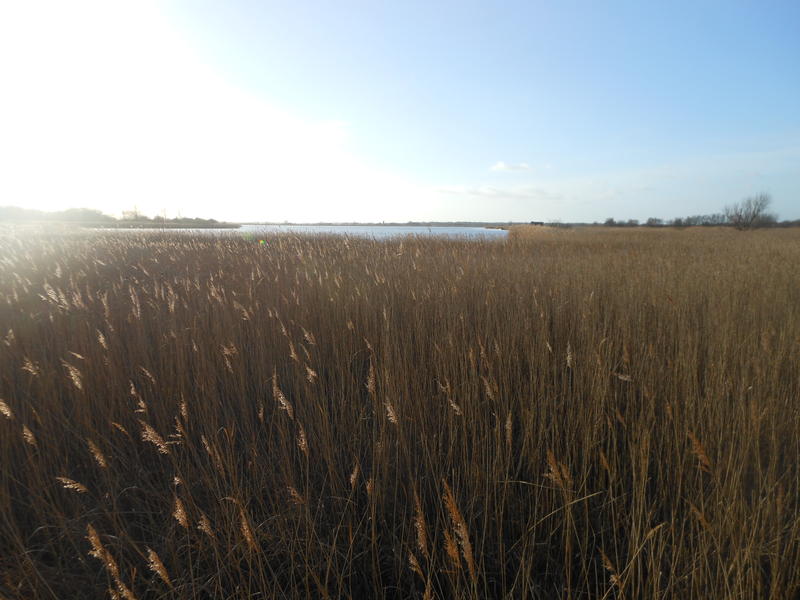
{"points": [[309, 111]]}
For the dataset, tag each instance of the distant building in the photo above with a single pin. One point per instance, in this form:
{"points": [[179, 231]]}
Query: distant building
{"points": [[537, 222]]}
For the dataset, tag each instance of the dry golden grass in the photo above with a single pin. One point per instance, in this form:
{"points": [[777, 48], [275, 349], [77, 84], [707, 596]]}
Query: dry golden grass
{"points": [[585, 413]]}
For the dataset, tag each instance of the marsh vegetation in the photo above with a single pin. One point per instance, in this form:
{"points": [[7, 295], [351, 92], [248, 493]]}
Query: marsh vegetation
{"points": [[567, 414]]}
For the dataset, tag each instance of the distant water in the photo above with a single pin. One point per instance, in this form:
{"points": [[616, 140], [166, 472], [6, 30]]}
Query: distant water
{"points": [[372, 231], [379, 231]]}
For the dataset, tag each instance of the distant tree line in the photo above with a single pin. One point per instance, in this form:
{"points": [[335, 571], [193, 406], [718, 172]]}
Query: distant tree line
{"points": [[74, 215], [750, 213], [91, 216], [715, 219]]}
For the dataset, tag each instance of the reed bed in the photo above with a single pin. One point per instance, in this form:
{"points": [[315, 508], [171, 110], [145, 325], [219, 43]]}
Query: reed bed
{"points": [[566, 414]]}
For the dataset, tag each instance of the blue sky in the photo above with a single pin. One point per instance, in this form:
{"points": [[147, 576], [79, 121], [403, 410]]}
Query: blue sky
{"points": [[342, 111]]}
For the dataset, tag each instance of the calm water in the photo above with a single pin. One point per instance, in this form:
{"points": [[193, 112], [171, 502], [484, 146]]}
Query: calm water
{"points": [[383, 231], [377, 232]]}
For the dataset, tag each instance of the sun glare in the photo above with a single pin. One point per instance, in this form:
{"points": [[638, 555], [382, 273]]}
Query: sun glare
{"points": [[109, 109]]}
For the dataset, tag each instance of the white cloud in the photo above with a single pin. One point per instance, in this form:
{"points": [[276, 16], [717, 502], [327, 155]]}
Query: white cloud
{"points": [[504, 166]]}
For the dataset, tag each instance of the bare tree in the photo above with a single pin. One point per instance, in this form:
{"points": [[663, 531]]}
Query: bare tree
{"points": [[750, 212]]}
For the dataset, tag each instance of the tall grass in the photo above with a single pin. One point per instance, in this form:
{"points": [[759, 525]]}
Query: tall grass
{"points": [[570, 414]]}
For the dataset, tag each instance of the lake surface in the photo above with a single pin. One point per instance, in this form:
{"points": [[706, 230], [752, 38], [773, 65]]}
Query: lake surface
{"points": [[372, 231], [379, 231]]}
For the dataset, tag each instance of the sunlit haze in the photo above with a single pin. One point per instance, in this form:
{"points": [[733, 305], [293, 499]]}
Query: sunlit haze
{"points": [[350, 111]]}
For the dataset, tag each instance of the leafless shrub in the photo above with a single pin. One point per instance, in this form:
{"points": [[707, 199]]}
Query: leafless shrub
{"points": [[750, 212]]}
